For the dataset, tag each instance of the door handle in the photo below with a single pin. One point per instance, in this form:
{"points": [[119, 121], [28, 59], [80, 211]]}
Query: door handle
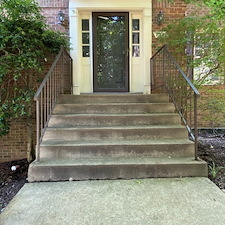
{"points": [[126, 52]]}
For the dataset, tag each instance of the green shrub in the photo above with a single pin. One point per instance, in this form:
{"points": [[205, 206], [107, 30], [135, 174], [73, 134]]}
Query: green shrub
{"points": [[25, 44]]}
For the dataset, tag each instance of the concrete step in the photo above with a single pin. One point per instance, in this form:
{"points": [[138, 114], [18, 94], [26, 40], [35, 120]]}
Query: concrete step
{"points": [[71, 120], [116, 149], [115, 136], [113, 98], [113, 108], [115, 168], [116, 133]]}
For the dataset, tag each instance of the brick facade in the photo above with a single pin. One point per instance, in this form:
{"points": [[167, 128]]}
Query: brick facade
{"points": [[51, 9], [172, 11], [193, 10], [13, 146]]}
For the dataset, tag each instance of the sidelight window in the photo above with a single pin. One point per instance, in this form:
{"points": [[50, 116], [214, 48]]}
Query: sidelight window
{"points": [[136, 38], [85, 38]]}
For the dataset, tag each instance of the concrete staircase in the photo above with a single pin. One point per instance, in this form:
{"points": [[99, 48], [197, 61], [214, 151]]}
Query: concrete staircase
{"points": [[115, 136]]}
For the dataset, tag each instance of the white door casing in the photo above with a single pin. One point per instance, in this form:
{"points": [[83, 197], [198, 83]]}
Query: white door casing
{"points": [[139, 74]]}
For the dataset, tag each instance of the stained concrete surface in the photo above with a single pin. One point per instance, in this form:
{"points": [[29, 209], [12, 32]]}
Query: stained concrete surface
{"points": [[180, 201]]}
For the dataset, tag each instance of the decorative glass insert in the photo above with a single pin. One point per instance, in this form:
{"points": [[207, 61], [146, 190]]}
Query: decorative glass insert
{"points": [[85, 38]]}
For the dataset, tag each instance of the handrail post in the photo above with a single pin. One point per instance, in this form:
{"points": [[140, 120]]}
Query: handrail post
{"points": [[176, 88], [63, 71], [71, 75], [38, 130], [163, 62], [47, 93], [151, 72], [196, 126]]}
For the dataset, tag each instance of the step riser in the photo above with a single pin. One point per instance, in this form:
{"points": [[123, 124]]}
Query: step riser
{"points": [[105, 147], [115, 134], [113, 109], [114, 98], [115, 172], [70, 121], [110, 151]]}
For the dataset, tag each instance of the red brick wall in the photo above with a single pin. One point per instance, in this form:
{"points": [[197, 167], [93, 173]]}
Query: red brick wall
{"points": [[51, 8], [194, 10], [173, 11], [13, 146]]}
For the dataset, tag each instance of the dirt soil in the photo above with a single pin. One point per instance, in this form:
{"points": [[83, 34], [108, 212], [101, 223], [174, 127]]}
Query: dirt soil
{"points": [[211, 149], [11, 181]]}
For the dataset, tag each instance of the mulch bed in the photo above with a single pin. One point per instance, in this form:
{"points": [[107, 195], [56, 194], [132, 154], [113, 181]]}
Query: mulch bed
{"points": [[11, 181], [211, 149]]}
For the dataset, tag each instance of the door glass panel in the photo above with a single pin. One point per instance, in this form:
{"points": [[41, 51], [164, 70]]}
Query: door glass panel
{"points": [[111, 51], [136, 51], [135, 24], [85, 38], [135, 38], [85, 25], [86, 51]]}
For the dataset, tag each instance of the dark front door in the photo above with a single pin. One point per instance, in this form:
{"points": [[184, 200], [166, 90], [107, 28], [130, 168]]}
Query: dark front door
{"points": [[111, 55]]}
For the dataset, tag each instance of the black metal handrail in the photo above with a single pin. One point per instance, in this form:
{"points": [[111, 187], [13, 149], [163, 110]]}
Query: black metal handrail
{"points": [[57, 80], [167, 75]]}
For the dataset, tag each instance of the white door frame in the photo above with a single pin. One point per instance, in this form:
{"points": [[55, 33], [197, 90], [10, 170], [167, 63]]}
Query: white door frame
{"points": [[139, 66]]}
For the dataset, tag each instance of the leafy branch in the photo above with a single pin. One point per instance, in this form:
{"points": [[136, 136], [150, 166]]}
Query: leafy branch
{"points": [[26, 42]]}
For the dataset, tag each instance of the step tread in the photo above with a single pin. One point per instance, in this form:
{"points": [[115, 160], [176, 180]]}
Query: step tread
{"points": [[117, 142], [113, 94], [117, 161], [113, 114], [138, 127], [114, 104]]}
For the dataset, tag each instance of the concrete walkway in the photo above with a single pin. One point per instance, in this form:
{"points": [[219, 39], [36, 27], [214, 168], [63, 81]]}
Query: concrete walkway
{"points": [[185, 201]]}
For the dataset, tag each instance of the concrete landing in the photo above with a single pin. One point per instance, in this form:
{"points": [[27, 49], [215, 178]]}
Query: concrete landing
{"points": [[184, 201]]}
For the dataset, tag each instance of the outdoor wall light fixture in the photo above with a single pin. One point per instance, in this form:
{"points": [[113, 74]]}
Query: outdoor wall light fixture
{"points": [[160, 18], [61, 17]]}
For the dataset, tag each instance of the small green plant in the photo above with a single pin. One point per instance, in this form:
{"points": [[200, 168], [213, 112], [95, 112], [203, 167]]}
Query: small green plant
{"points": [[214, 170]]}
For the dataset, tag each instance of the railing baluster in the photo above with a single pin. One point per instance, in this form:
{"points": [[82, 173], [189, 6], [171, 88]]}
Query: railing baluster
{"points": [[190, 123], [46, 95], [180, 89], [51, 99], [62, 74], [38, 130], [196, 125], [45, 108], [42, 112], [55, 85]]}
